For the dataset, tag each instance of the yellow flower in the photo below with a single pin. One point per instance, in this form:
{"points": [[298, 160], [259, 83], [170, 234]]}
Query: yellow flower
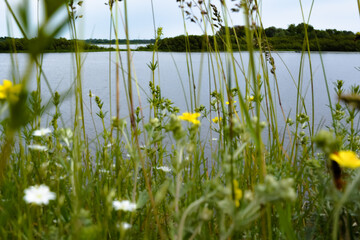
{"points": [[251, 98], [227, 103], [216, 119], [10, 91], [237, 192], [190, 117], [346, 159]]}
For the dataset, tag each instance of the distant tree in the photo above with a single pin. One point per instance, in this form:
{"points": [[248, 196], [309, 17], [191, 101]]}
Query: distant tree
{"points": [[291, 30], [270, 31], [322, 34], [240, 31]]}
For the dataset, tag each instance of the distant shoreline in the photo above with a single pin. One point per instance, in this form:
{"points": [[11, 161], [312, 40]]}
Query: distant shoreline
{"points": [[136, 50], [291, 39]]}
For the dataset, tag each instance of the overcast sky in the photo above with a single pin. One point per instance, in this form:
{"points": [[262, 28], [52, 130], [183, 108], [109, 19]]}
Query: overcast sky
{"points": [[341, 15]]}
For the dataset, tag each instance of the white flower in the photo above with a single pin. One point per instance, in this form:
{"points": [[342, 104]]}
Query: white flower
{"points": [[38, 147], [41, 132], [249, 196], [58, 165], [164, 168], [38, 195], [125, 225], [104, 171], [66, 135], [125, 205], [214, 139], [45, 164], [62, 177]]}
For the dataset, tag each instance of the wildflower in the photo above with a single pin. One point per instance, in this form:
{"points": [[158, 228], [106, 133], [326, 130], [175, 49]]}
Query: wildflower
{"points": [[125, 205], [125, 225], [273, 190], [41, 132], [10, 91], [237, 193], [38, 195], [190, 117], [346, 159], [227, 102], [38, 147], [251, 98], [216, 119], [214, 139], [66, 135], [164, 168], [104, 171], [249, 196]]}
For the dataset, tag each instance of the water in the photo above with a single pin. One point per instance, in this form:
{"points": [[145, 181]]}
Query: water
{"points": [[122, 46], [59, 70]]}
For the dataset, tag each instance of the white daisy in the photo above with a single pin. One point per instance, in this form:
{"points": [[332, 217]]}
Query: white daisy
{"points": [[38, 147], [41, 132], [38, 195], [125, 225], [164, 168], [124, 205]]}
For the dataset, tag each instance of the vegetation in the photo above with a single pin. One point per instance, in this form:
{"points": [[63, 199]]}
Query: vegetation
{"points": [[278, 39], [119, 41], [8, 44], [292, 38], [260, 182]]}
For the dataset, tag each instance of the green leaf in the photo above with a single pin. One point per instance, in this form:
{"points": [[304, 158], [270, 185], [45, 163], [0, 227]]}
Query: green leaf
{"points": [[143, 198]]}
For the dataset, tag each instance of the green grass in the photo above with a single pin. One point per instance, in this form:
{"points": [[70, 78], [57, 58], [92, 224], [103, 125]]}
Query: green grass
{"points": [[254, 185]]}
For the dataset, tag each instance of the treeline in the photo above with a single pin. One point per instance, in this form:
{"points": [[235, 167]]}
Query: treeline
{"points": [[291, 38], [120, 41], [8, 44]]}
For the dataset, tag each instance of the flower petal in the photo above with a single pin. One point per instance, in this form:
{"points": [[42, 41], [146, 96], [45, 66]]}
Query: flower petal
{"points": [[346, 159]]}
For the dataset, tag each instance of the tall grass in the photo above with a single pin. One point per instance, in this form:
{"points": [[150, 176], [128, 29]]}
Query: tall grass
{"points": [[266, 176]]}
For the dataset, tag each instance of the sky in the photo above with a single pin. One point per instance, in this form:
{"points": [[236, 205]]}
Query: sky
{"points": [[333, 14]]}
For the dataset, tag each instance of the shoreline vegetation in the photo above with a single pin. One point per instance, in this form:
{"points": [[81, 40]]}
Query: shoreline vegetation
{"points": [[9, 45], [290, 39]]}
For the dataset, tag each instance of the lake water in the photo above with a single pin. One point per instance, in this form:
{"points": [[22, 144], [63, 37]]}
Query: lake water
{"points": [[122, 46], [59, 70]]}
